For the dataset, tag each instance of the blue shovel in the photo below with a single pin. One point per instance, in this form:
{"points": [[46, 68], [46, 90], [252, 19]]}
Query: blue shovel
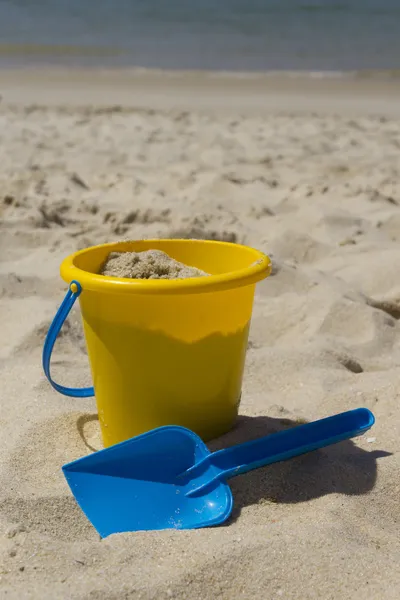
{"points": [[167, 478]]}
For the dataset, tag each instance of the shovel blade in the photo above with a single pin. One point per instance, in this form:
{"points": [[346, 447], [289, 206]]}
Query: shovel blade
{"points": [[134, 485]]}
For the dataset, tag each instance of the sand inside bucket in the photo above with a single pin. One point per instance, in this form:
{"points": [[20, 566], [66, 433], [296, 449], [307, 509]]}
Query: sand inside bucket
{"points": [[150, 264]]}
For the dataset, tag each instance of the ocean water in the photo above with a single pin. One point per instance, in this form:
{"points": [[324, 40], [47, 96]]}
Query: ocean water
{"points": [[238, 35]]}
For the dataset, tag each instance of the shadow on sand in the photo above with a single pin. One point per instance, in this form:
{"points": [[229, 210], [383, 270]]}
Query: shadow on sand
{"points": [[342, 468]]}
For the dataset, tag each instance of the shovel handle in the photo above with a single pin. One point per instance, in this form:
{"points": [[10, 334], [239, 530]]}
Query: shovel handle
{"points": [[74, 290], [279, 446]]}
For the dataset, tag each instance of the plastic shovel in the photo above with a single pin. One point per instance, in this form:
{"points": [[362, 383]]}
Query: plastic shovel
{"points": [[167, 478]]}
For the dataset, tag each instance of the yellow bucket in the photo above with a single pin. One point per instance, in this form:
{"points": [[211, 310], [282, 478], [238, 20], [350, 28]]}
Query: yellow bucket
{"points": [[163, 352]]}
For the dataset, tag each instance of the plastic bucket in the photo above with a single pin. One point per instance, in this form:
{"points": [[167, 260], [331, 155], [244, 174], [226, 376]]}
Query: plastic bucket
{"points": [[163, 352]]}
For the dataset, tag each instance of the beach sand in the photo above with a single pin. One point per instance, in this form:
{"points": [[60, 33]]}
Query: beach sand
{"points": [[150, 264], [305, 169]]}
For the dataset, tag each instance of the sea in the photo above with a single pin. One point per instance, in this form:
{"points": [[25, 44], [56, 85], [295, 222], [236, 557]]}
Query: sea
{"points": [[323, 36]]}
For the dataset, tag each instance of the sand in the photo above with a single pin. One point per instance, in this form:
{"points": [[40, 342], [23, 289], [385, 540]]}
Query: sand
{"points": [[150, 264], [315, 183]]}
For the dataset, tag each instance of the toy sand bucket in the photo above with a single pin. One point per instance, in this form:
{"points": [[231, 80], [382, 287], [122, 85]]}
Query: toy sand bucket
{"points": [[163, 352]]}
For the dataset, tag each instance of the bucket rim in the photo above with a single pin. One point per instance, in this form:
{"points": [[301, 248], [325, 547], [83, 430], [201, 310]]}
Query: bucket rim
{"points": [[259, 269]]}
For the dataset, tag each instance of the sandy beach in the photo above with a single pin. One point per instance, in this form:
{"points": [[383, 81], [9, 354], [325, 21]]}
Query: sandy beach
{"points": [[306, 169]]}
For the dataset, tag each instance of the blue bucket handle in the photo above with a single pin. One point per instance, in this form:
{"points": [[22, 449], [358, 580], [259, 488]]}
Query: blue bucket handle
{"points": [[74, 291]]}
